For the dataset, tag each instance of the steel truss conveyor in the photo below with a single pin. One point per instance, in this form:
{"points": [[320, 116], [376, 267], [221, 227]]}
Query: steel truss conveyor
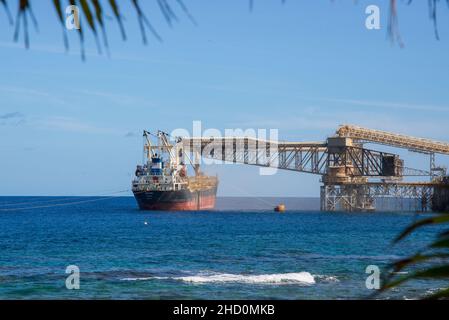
{"points": [[353, 176]]}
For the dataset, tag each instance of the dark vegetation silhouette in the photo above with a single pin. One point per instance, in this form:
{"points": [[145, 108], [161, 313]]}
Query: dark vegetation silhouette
{"points": [[430, 263], [96, 12]]}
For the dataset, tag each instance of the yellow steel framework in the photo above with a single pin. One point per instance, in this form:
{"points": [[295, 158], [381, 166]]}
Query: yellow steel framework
{"points": [[393, 139]]}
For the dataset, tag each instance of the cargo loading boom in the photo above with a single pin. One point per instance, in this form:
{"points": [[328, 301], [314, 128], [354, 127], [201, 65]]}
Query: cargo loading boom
{"points": [[393, 139]]}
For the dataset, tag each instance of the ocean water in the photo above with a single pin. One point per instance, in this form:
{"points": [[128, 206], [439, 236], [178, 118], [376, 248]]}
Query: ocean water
{"points": [[124, 253]]}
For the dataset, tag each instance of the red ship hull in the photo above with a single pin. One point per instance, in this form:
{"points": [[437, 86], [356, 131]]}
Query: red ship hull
{"points": [[180, 200]]}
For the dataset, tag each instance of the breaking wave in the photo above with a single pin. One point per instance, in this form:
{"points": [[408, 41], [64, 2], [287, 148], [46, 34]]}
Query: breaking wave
{"points": [[304, 278], [325, 278]]}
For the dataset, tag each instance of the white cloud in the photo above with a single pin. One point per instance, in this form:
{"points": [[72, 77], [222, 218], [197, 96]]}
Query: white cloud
{"points": [[12, 118], [116, 98], [388, 104], [320, 123], [12, 115], [73, 125], [31, 93], [59, 123]]}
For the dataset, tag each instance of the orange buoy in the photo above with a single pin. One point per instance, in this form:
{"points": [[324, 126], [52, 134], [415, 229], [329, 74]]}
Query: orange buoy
{"points": [[280, 208]]}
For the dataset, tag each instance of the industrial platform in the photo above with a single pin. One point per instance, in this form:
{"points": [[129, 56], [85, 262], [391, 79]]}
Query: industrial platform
{"points": [[353, 177]]}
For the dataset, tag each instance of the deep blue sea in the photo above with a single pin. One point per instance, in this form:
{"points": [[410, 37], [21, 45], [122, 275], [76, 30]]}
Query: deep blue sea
{"points": [[124, 253]]}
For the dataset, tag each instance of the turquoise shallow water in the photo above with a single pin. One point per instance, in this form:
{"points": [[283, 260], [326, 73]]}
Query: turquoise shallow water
{"points": [[123, 253]]}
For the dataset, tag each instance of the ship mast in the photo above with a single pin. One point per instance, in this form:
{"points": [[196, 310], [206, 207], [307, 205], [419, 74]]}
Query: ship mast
{"points": [[147, 147], [167, 146], [195, 167]]}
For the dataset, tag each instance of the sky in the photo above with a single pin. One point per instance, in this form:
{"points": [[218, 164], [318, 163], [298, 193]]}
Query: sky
{"points": [[69, 127]]}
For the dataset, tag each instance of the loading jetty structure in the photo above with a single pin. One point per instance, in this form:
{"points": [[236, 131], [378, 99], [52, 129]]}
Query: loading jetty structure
{"points": [[353, 177]]}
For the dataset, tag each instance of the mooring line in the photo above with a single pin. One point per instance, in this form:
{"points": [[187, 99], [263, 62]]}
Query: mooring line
{"points": [[252, 196], [60, 198], [103, 198], [39, 201]]}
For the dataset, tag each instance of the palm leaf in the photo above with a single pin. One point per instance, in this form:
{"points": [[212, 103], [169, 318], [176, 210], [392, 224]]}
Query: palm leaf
{"points": [[8, 13], [58, 8], [99, 17], [25, 11], [116, 11], [90, 21], [441, 243], [187, 12], [440, 294], [438, 272], [80, 33], [432, 262], [144, 21], [416, 259], [442, 218]]}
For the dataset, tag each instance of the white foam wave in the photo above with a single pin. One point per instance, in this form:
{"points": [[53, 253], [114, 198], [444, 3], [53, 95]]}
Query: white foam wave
{"points": [[304, 278], [400, 272], [137, 279], [298, 277], [326, 278]]}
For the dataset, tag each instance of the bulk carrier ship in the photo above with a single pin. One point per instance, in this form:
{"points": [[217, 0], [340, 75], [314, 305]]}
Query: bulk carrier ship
{"points": [[162, 182]]}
